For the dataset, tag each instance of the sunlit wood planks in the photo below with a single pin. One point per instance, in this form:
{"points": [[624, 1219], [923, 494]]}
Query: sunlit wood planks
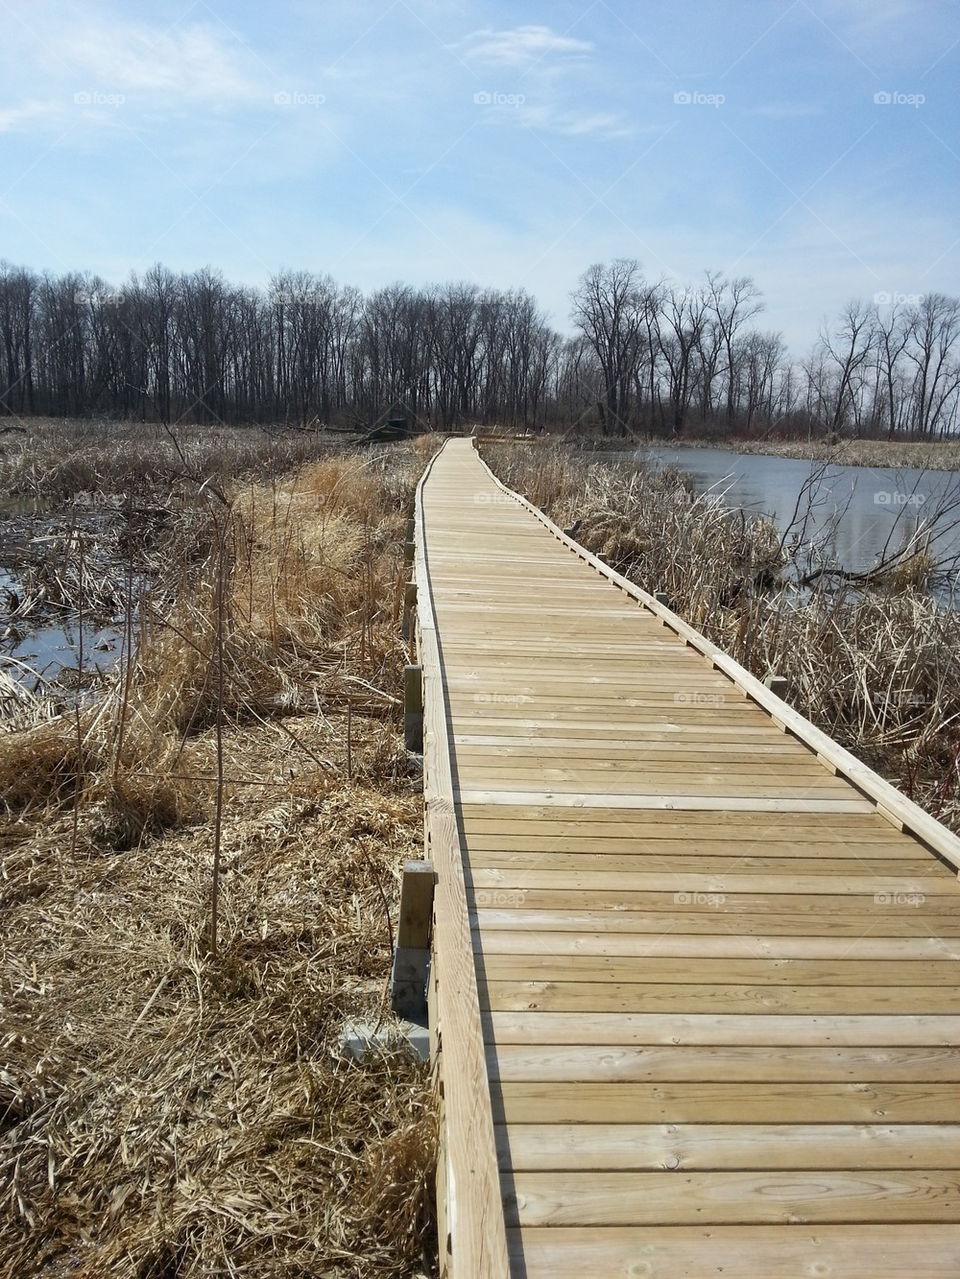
{"points": [[714, 964]]}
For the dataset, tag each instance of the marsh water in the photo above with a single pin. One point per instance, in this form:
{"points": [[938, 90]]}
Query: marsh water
{"points": [[862, 513], [44, 649]]}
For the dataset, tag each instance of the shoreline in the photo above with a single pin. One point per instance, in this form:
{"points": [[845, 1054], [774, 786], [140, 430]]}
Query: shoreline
{"points": [[890, 454]]}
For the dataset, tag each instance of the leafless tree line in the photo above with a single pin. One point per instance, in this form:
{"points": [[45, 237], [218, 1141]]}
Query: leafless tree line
{"points": [[663, 359], [645, 356]]}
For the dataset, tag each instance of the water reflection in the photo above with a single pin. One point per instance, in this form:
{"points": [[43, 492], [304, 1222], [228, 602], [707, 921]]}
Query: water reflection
{"points": [[868, 512]]}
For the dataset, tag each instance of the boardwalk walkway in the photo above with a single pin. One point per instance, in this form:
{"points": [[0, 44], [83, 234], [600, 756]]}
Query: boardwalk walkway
{"points": [[694, 1005]]}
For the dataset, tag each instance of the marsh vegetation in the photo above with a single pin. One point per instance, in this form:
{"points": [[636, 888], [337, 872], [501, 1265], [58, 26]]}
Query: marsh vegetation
{"points": [[200, 857]]}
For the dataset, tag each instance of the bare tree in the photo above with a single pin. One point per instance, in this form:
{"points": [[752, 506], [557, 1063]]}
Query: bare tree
{"points": [[607, 308], [934, 327], [681, 318], [847, 355], [734, 303]]}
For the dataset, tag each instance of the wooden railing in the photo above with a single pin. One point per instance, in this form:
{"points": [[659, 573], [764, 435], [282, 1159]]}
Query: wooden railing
{"points": [[472, 1243]]}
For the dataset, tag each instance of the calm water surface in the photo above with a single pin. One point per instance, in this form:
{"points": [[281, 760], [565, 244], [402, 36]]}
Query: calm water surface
{"points": [[862, 512]]}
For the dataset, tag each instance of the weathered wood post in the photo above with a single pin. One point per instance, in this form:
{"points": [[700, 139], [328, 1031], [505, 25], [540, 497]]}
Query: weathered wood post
{"points": [[411, 958], [409, 604], [413, 708], [410, 544]]}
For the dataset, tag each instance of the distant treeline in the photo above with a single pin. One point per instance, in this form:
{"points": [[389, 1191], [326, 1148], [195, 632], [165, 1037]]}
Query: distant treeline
{"points": [[644, 357]]}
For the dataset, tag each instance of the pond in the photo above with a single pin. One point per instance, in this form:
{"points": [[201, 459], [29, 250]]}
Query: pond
{"points": [[862, 512]]}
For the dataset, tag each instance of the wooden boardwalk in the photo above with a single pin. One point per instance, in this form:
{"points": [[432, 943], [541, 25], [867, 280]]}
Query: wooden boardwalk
{"points": [[694, 997]]}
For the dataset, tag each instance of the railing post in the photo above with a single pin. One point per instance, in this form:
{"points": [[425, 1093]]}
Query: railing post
{"points": [[408, 981], [410, 545], [413, 708], [409, 604]]}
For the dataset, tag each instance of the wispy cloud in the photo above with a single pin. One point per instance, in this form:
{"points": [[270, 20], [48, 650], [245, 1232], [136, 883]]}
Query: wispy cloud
{"points": [[81, 47], [13, 118], [577, 124], [521, 47], [788, 110], [188, 63]]}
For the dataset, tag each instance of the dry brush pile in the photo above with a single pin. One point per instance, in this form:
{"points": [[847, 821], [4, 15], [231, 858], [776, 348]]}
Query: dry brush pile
{"points": [[173, 1102], [877, 667]]}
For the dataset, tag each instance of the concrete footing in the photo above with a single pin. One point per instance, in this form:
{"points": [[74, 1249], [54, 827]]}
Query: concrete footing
{"points": [[361, 1040]]}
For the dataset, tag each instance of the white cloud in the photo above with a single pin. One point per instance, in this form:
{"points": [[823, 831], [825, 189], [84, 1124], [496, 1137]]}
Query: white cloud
{"points": [[578, 125], [520, 47], [187, 62], [11, 118]]}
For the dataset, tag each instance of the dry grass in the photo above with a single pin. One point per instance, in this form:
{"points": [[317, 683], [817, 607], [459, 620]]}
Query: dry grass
{"points": [[170, 1112], [878, 668], [57, 459]]}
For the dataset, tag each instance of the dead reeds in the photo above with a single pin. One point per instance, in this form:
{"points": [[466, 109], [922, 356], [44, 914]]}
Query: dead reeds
{"points": [[173, 1101]]}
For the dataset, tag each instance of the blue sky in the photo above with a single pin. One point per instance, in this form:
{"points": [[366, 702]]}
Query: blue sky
{"points": [[424, 140]]}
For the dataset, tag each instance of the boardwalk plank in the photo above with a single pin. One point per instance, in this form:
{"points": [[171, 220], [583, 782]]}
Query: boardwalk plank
{"points": [[927, 1251], [640, 997], [725, 1198], [588, 1102], [619, 1063], [725, 1147]]}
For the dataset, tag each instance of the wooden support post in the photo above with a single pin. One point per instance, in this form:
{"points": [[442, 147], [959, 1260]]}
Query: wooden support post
{"points": [[778, 685], [409, 604], [410, 544], [662, 598], [413, 708], [408, 981]]}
